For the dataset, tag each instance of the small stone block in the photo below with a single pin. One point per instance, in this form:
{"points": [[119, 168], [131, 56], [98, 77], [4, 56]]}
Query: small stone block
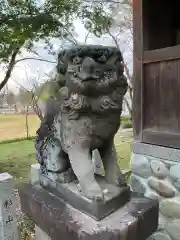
{"points": [[136, 220], [35, 169], [5, 176], [115, 197], [8, 221]]}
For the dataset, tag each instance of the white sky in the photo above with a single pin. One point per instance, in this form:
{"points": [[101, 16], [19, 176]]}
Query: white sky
{"points": [[32, 69]]}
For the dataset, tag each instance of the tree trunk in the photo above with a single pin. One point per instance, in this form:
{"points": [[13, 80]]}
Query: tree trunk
{"points": [[15, 108], [10, 69], [13, 62]]}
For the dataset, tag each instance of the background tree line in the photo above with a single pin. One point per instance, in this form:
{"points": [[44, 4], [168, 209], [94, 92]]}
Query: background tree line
{"points": [[24, 24]]}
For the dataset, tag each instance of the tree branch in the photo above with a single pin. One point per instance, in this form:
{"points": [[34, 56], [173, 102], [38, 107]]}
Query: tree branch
{"points": [[123, 62], [37, 59], [33, 101], [87, 35], [129, 77], [10, 68], [13, 62]]}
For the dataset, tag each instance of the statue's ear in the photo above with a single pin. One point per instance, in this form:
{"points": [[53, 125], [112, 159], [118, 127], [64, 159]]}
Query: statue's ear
{"points": [[112, 60], [102, 59]]}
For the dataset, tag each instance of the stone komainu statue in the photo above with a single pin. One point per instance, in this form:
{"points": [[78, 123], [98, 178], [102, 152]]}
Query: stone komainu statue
{"points": [[84, 115]]}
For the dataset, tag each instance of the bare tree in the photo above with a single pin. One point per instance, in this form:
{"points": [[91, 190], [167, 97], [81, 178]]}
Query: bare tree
{"points": [[121, 24], [3, 95], [129, 78], [13, 63], [120, 31], [29, 98], [11, 99], [121, 28]]}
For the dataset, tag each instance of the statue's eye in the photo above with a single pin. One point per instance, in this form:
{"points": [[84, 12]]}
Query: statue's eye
{"points": [[76, 60], [97, 71], [109, 74]]}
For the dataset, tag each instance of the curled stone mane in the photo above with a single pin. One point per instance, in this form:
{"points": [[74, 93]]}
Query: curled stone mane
{"points": [[91, 78]]}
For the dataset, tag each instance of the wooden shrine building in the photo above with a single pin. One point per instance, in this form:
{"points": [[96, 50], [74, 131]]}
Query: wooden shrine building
{"points": [[156, 106], [155, 160]]}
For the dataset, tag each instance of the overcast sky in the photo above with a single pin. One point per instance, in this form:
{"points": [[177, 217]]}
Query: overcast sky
{"points": [[28, 70]]}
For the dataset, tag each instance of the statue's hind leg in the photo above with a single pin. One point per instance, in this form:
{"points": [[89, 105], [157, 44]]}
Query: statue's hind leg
{"points": [[56, 160], [113, 173]]}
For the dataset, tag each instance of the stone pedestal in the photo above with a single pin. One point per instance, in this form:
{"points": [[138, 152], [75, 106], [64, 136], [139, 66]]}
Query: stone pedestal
{"points": [[56, 219], [156, 175], [40, 234], [8, 222], [61, 221]]}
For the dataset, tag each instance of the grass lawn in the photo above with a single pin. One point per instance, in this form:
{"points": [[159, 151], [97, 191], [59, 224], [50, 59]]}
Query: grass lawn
{"points": [[123, 147], [17, 157], [14, 126]]}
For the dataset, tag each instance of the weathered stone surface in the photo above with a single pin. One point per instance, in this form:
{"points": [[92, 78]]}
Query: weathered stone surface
{"points": [[170, 154], [151, 195], [162, 187], [8, 221], [96, 158], [137, 184], [177, 184], [140, 166], [160, 236], [159, 169], [61, 221], [173, 229], [170, 207], [162, 222], [114, 197], [34, 174], [82, 115], [41, 235], [175, 172]]}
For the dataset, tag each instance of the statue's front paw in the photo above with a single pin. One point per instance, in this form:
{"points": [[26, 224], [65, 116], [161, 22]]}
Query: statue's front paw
{"points": [[93, 191]]}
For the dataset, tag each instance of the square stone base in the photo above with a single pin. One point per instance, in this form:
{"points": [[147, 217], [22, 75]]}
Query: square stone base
{"points": [[114, 198], [136, 220]]}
